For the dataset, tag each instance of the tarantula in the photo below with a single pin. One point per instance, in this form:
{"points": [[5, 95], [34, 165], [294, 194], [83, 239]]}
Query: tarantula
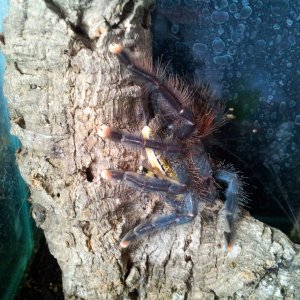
{"points": [[173, 140]]}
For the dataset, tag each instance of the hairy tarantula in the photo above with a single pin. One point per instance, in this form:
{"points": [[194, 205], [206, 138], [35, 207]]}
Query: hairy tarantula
{"points": [[173, 141]]}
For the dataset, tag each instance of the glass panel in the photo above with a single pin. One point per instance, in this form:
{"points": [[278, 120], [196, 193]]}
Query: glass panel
{"points": [[248, 51]]}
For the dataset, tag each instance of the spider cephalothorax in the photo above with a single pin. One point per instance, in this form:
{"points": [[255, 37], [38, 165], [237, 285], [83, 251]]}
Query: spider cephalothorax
{"points": [[182, 170]]}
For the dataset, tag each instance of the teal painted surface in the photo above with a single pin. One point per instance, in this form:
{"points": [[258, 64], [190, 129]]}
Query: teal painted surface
{"points": [[16, 241]]}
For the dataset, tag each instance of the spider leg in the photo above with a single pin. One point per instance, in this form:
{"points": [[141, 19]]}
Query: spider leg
{"points": [[117, 136], [150, 183], [168, 91], [184, 214], [234, 197]]}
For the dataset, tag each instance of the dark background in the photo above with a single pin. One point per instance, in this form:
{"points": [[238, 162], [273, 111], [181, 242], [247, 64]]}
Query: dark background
{"points": [[248, 52]]}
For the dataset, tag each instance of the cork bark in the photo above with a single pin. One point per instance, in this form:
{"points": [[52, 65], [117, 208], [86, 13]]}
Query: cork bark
{"points": [[62, 85]]}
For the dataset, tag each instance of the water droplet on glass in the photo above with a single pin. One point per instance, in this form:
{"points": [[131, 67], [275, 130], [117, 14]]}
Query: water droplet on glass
{"points": [[241, 28], [260, 44], [230, 59], [292, 104], [245, 12], [205, 12], [218, 45], [289, 22], [276, 26], [279, 7], [232, 50], [259, 4], [175, 28], [233, 8], [236, 37], [237, 16], [292, 40], [219, 17], [257, 23], [220, 30], [199, 48], [256, 124], [282, 106], [297, 120], [220, 4], [221, 60]]}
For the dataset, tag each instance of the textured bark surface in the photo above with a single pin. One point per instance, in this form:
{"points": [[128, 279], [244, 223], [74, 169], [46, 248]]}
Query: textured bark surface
{"points": [[62, 84]]}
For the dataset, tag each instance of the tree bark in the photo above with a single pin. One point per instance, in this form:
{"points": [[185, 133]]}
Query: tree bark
{"points": [[62, 85]]}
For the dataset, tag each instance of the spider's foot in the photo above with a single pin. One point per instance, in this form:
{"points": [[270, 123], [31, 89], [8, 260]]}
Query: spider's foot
{"points": [[108, 133], [234, 200], [109, 175], [157, 223], [229, 241], [115, 48], [124, 243]]}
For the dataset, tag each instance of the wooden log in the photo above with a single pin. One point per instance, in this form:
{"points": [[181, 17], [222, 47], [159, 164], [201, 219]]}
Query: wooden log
{"points": [[62, 85]]}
